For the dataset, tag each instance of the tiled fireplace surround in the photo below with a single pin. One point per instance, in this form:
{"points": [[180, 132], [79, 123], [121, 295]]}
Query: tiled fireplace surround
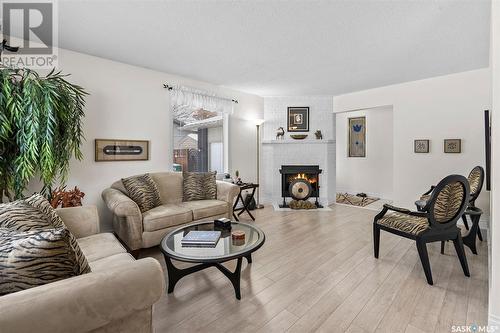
{"points": [[309, 151]]}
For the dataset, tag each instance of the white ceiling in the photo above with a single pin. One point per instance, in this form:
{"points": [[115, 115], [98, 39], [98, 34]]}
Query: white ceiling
{"points": [[284, 48]]}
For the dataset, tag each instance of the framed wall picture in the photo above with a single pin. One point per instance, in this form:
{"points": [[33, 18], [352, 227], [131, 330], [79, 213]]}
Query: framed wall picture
{"points": [[452, 146], [357, 137], [107, 150], [298, 119], [421, 146]]}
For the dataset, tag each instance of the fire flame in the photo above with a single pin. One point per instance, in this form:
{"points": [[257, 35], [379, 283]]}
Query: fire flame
{"points": [[305, 177]]}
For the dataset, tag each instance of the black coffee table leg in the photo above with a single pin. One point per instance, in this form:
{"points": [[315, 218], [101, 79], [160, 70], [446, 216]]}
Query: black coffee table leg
{"points": [[175, 274], [234, 277], [249, 258]]}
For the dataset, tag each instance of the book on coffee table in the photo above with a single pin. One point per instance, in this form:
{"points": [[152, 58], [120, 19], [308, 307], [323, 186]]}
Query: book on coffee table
{"points": [[201, 238]]}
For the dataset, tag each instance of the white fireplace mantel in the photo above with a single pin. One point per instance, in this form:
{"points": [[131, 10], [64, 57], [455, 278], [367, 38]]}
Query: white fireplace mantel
{"points": [[276, 153], [309, 151]]}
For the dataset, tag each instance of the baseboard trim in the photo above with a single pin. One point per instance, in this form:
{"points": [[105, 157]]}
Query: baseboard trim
{"points": [[484, 221], [494, 320]]}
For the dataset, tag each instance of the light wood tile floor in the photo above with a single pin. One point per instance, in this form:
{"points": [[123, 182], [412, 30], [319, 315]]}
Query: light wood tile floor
{"points": [[316, 272]]}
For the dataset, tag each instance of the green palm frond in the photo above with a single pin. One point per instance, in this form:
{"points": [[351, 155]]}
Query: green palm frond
{"points": [[41, 128]]}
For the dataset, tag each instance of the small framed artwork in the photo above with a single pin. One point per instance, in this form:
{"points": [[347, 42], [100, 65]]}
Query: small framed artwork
{"points": [[107, 150], [298, 119], [452, 146], [357, 137], [421, 146]]}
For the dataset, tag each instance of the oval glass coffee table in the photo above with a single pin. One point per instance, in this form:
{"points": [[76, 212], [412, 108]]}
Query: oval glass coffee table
{"points": [[226, 249]]}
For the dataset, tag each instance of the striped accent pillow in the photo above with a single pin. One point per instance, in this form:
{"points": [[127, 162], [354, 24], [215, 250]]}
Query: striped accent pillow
{"points": [[39, 202], [199, 186], [35, 214], [36, 257], [143, 190], [21, 216]]}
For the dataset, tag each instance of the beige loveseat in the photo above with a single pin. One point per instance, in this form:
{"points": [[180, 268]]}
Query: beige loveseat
{"points": [[142, 230], [117, 296]]}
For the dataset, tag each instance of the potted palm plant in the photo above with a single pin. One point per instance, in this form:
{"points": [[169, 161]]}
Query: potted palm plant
{"points": [[40, 129]]}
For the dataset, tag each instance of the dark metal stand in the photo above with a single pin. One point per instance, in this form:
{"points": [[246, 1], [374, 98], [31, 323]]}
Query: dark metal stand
{"points": [[284, 205], [175, 274], [240, 211], [470, 238], [316, 202]]}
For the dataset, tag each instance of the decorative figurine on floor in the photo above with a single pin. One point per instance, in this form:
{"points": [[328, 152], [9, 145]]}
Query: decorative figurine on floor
{"points": [[280, 133], [319, 135]]}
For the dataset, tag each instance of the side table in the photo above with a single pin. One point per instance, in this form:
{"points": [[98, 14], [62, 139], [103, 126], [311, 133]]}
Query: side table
{"points": [[238, 211]]}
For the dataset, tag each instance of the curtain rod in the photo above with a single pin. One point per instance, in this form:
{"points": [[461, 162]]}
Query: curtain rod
{"points": [[166, 86]]}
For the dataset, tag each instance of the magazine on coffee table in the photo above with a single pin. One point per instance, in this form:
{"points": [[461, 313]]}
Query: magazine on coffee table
{"points": [[198, 238]]}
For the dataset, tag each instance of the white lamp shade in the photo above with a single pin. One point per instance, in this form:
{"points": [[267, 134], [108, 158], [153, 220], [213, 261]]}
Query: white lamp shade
{"points": [[258, 122]]}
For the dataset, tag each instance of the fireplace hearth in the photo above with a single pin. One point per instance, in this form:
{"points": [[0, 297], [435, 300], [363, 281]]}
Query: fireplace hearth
{"points": [[300, 182]]}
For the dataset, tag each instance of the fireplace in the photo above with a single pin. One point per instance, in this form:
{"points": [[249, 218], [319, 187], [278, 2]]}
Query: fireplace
{"points": [[300, 182]]}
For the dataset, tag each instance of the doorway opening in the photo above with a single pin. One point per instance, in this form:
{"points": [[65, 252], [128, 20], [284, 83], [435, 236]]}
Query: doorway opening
{"points": [[365, 157]]}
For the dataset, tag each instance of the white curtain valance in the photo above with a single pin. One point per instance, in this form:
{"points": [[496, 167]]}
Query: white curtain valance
{"points": [[182, 97]]}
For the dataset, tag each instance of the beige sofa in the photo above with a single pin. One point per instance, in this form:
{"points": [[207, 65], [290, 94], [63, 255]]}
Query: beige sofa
{"points": [[117, 296], [142, 230]]}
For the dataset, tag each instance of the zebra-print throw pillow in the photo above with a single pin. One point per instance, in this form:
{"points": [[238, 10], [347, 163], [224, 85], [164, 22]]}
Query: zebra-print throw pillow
{"points": [[199, 186], [33, 258], [39, 201], [36, 213], [142, 189], [21, 216]]}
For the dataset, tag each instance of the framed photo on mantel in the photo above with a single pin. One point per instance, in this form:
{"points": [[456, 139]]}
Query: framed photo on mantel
{"points": [[298, 119], [107, 150]]}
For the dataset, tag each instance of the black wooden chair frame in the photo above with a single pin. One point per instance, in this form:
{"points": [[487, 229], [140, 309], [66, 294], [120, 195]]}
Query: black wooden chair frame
{"points": [[471, 211], [437, 231], [472, 203]]}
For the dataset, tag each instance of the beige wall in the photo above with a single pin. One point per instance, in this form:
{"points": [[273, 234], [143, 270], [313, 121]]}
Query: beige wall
{"points": [[438, 108], [128, 102], [494, 236]]}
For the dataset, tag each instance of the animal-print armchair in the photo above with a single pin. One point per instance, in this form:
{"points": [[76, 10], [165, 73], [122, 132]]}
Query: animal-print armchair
{"points": [[437, 221]]}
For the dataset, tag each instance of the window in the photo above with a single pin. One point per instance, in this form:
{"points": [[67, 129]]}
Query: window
{"points": [[198, 140], [200, 129]]}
